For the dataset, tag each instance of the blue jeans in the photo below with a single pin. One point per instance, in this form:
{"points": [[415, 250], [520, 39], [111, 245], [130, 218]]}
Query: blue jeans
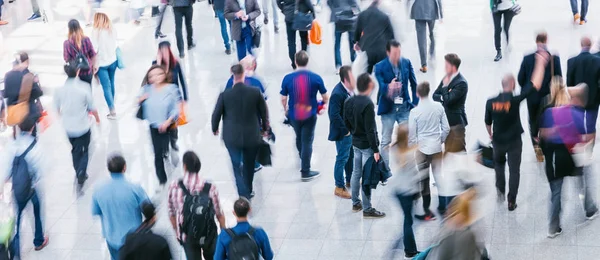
{"points": [[584, 8], [398, 115], [224, 26], [336, 47], [242, 161], [344, 152], [114, 252], [305, 134], [444, 203], [244, 45], [406, 203], [360, 158], [39, 231], [106, 75]]}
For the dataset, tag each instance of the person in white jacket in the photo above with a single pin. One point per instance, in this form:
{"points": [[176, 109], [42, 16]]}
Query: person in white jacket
{"points": [[104, 40]]}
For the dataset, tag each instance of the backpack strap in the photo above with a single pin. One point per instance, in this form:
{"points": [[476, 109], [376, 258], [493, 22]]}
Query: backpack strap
{"points": [[28, 148], [183, 188], [206, 188], [251, 231], [26, 86], [230, 232]]}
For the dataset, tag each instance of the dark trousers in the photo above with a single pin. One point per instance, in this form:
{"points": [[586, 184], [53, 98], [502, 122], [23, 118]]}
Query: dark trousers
{"points": [[242, 161], [244, 45], [79, 151], [38, 239], [180, 13], [533, 110], [195, 251], [160, 20], [337, 46], [513, 151], [305, 134], [160, 143], [424, 162], [173, 137], [508, 16], [408, 239], [374, 58], [291, 39]]}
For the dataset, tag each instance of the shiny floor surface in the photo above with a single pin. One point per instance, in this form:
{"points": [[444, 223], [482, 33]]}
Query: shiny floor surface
{"points": [[303, 220]]}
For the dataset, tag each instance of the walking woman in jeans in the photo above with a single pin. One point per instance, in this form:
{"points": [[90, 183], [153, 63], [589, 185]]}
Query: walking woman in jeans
{"points": [[501, 9], [104, 40], [76, 43], [158, 100]]}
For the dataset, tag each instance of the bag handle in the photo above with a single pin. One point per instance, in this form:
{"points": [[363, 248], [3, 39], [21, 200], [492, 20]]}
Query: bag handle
{"points": [[183, 188], [206, 188], [29, 148], [26, 86]]}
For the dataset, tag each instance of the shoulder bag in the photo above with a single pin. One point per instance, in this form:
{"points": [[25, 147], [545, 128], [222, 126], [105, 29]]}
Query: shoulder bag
{"points": [[302, 21], [80, 59], [18, 112]]}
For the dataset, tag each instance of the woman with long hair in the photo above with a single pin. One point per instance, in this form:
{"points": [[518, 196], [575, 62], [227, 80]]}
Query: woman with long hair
{"points": [[104, 39], [159, 103], [77, 44]]}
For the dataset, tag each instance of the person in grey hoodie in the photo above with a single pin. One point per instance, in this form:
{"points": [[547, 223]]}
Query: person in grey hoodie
{"points": [[425, 12]]}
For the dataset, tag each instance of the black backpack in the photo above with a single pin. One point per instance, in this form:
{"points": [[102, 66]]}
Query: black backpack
{"points": [[80, 59], [21, 178], [242, 246], [198, 215]]}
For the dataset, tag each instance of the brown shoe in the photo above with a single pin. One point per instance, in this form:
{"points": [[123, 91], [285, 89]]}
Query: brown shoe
{"points": [[342, 193], [423, 69], [539, 155], [576, 17], [40, 247]]}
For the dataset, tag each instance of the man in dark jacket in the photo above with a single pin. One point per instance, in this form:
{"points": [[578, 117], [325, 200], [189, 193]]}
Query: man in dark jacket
{"points": [[425, 12], [339, 133], [288, 8], [143, 244], [219, 7], [242, 15], [344, 14], [359, 117], [373, 31], [534, 101], [452, 93], [183, 9], [238, 108]]}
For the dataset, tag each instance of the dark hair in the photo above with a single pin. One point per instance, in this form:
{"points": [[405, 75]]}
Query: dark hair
{"points": [[116, 163], [191, 162], [541, 37], [156, 66], [171, 59], [363, 81], [301, 58], [423, 89], [453, 59], [28, 124], [22, 56], [71, 69], [241, 207], [237, 70], [392, 43], [345, 72], [148, 210]]}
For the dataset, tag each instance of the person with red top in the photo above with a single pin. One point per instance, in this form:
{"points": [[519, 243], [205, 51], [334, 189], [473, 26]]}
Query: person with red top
{"points": [[77, 43]]}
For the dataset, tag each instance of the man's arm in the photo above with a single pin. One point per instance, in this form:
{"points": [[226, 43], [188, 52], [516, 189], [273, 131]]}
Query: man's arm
{"points": [[371, 127], [412, 129], [570, 73], [217, 114], [413, 83], [522, 78], [265, 245], [284, 94], [335, 114], [228, 12], [452, 97], [437, 94], [95, 207], [488, 117], [383, 87], [445, 126], [284, 103], [359, 29], [220, 251]]}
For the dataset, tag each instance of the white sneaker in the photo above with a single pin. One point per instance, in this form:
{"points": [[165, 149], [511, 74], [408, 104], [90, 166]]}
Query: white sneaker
{"points": [[111, 116], [555, 234]]}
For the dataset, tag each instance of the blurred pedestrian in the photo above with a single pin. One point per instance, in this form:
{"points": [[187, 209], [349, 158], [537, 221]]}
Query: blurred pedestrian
{"points": [[339, 133], [428, 130], [238, 107], [2, 22], [299, 99], [104, 40], [452, 93], [78, 47], [136, 9], [344, 14], [118, 204], [274, 9], [289, 8], [219, 7], [190, 191], [501, 9], [373, 32], [35, 6], [243, 25], [425, 12], [161, 15], [359, 117], [143, 244], [74, 104], [183, 9], [579, 17]]}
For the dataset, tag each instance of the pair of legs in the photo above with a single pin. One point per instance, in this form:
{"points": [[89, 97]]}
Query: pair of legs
{"points": [[360, 158], [291, 40], [181, 13], [79, 151], [160, 143], [244, 45], [398, 115], [343, 162], [195, 251], [424, 162], [421, 27], [223, 22], [242, 161], [336, 47], [589, 205], [161, 16], [39, 231], [265, 10], [508, 16], [106, 75], [408, 239], [584, 8], [514, 150], [305, 134]]}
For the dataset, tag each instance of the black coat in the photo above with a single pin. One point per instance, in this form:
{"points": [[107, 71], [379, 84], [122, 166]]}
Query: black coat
{"points": [[526, 71], [288, 7], [585, 68], [341, 5], [453, 99], [373, 31], [337, 128], [144, 245], [238, 107]]}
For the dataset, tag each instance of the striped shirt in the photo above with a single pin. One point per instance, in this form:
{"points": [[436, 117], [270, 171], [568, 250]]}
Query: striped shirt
{"points": [[70, 50], [194, 183]]}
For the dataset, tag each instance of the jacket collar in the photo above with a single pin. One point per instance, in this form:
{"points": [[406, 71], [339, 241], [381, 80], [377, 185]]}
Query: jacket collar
{"points": [[238, 84]]}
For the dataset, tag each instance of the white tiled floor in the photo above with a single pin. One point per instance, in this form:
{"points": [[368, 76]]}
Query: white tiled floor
{"points": [[304, 220]]}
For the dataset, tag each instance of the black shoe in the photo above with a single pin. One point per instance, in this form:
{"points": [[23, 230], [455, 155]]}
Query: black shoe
{"points": [[159, 35], [555, 234], [266, 20], [498, 56], [181, 55], [311, 175], [191, 46], [175, 147], [228, 51], [82, 179], [410, 255], [10, 1], [357, 207], [591, 215], [155, 11], [373, 213], [512, 206], [276, 29], [293, 66]]}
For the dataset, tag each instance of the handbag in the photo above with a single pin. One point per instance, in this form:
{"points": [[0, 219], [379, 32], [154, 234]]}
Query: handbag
{"points": [[18, 112], [256, 36], [182, 119], [516, 8], [345, 20], [120, 63], [264, 154], [80, 59], [302, 21]]}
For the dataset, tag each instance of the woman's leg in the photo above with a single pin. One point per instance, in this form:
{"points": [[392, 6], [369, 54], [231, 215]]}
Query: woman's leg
{"points": [[508, 16], [406, 202], [104, 77], [497, 29], [160, 143]]}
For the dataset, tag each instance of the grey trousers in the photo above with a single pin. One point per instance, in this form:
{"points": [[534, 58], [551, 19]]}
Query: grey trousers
{"points": [[35, 6], [422, 39]]}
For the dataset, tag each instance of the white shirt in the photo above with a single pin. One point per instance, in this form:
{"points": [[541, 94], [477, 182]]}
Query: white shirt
{"points": [[105, 44], [74, 101], [505, 5], [428, 126]]}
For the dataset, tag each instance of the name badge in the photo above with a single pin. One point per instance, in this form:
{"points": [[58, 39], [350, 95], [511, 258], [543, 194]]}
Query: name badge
{"points": [[398, 100]]}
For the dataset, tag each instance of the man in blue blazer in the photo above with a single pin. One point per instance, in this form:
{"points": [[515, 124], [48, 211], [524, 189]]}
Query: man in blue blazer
{"points": [[339, 133], [394, 102]]}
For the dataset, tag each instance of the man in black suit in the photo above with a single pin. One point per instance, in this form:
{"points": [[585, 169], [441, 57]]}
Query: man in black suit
{"points": [[339, 133], [373, 31], [238, 106], [585, 68], [535, 99], [452, 93]]}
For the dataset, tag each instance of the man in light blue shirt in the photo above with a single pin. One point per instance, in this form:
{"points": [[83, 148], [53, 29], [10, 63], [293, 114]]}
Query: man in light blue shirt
{"points": [[118, 203], [74, 103]]}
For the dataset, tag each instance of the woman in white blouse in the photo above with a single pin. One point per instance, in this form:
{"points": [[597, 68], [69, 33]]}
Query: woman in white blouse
{"points": [[104, 39]]}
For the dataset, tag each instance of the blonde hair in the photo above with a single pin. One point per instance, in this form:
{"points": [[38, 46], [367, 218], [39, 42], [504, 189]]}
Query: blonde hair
{"points": [[460, 209], [558, 92], [102, 22], [75, 32]]}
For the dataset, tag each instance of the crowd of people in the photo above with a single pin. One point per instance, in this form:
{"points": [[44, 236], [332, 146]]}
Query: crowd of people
{"points": [[423, 133]]}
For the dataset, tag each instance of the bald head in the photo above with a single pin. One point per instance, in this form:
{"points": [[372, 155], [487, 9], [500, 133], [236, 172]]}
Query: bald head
{"points": [[578, 95], [508, 83], [586, 42]]}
